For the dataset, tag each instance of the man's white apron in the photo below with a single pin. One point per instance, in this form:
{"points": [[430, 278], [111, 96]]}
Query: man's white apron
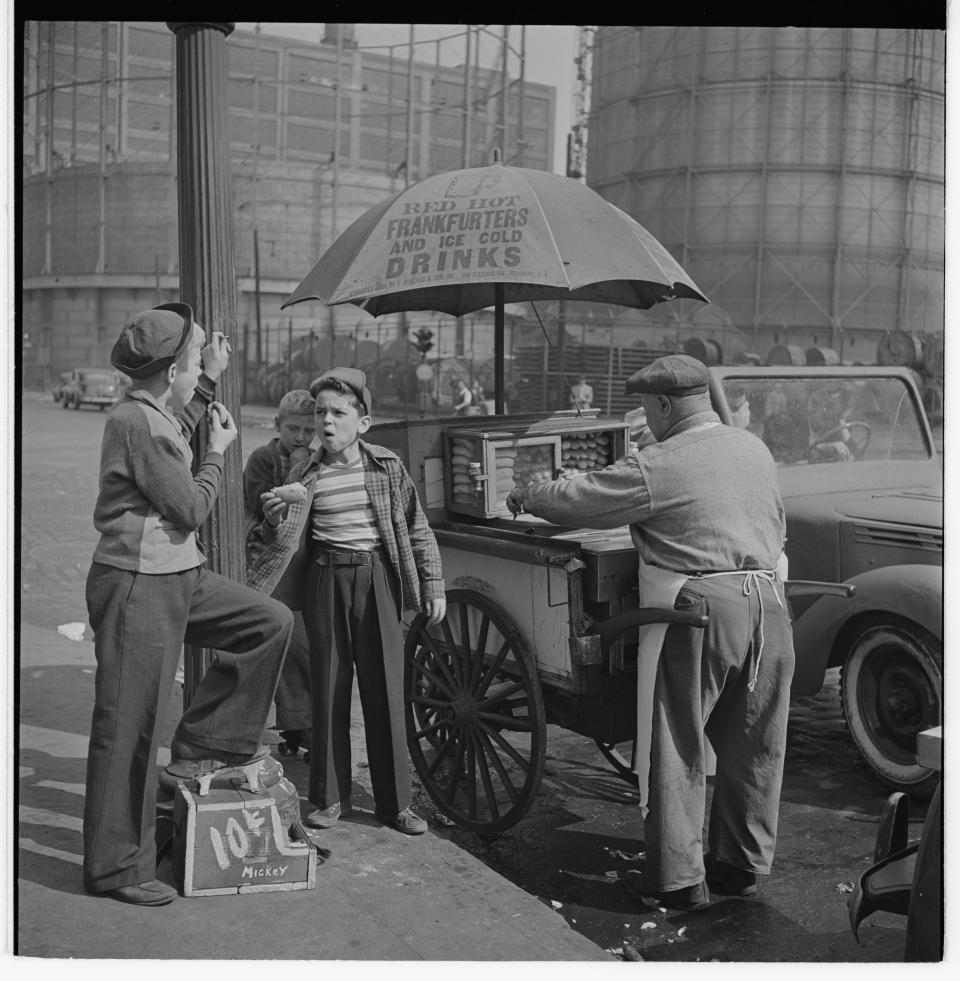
{"points": [[659, 588]]}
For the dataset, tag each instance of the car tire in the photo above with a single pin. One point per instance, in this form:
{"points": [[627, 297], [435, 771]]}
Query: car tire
{"points": [[891, 688]]}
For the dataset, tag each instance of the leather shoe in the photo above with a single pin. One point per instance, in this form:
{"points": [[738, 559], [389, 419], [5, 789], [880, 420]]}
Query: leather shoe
{"points": [[690, 899], [728, 880], [152, 893], [327, 817], [406, 822]]}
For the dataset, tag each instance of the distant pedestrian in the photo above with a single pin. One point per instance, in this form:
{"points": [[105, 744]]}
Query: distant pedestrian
{"points": [[267, 468], [463, 399], [581, 395], [148, 592], [353, 555]]}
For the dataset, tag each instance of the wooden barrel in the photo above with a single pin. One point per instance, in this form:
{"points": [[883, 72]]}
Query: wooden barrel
{"points": [[748, 357], [898, 349], [787, 354], [709, 352], [821, 356]]}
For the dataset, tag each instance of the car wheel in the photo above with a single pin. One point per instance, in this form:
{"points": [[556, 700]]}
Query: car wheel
{"points": [[76, 402], [891, 687]]}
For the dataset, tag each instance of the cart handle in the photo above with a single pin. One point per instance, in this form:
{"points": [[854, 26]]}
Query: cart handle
{"points": [[613, 627], [807, 587]]}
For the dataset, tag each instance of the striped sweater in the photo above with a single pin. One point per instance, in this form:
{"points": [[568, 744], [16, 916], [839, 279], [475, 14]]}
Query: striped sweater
{"points": [[278, 562]]}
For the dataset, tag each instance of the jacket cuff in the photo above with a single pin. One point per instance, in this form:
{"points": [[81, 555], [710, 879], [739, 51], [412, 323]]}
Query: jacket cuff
{"points": [[215, 458], [206, 387], [268, 533], [433, 589]]}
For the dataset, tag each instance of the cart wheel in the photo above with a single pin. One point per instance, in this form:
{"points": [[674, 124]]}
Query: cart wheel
{"points": [[476, 726], [622, 766]]}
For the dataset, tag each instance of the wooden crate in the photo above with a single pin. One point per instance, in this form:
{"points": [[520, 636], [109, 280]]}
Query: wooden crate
{"points": [[233, 841]]}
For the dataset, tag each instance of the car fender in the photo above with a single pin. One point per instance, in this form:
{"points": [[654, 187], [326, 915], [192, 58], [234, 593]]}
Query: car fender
{"points": [[914, 592]]}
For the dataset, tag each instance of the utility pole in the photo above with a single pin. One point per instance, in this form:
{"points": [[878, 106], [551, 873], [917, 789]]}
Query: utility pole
{"points": [[503, 93], [335, 185], [256, 294], [467, 96], [207, 275], [521, 142], [406, 171]]}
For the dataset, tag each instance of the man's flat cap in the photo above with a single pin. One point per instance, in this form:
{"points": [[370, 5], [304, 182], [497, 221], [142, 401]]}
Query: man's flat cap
{"points": [[352, 378], [152, 340], [674, 374]]}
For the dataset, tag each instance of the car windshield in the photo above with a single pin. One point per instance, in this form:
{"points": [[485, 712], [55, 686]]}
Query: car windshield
{"points": [[99, 375], [824, 420]]}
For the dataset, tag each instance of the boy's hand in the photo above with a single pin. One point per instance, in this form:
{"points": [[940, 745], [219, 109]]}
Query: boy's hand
{"points": [[436, 609], [216, 356], [223, 430], [274, 508]]}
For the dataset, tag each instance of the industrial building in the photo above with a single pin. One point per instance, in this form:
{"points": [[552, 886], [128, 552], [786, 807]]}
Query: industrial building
{"points": [[99, 236], [796, 173]]}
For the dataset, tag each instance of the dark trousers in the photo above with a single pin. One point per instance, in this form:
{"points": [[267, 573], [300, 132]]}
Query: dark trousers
{"points": [[350, 612], [293, 701], [702, 689], [140, 624]]}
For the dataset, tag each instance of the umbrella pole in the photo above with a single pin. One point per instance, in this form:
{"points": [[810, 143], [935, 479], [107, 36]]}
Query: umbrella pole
{"points": [[498, 349]]}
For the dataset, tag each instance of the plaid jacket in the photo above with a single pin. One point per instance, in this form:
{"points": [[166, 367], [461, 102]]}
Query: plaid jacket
{"points": [[277, 559]]}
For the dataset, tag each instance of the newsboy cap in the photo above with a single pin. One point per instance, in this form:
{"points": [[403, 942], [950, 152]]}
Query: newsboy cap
{"points": [[673, 374], [152, 340], [352, 378]]}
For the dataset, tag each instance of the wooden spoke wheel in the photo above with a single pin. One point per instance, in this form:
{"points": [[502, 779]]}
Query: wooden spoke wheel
{"points": [[476, 726], [622, 764]]}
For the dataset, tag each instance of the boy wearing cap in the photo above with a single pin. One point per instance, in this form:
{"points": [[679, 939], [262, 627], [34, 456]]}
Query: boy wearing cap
{"points": [[705, 514], [267, 467], [148, 592], [353, 556]]}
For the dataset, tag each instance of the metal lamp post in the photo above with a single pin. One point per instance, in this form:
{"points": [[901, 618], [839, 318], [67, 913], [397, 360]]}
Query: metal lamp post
{"points": [[207, 278]]}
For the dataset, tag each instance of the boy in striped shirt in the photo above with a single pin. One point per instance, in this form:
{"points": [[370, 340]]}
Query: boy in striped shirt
{"points": [[353, 556]]}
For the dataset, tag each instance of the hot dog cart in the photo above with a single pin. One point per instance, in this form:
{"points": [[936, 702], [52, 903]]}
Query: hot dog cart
{"points": [[541, 620]]}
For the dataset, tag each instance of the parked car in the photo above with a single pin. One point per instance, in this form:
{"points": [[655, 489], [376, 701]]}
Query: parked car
{"points": [[863, 492], [62, 380], [907, 877], [93, 386]]}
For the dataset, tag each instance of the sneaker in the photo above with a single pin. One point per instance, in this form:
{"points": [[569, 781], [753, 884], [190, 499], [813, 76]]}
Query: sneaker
{"points": [[690, 899], [728, 880], [406, 822], [327, 817]]}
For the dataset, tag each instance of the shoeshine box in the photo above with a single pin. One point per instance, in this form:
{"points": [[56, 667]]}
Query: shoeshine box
{"points": [[233, 841]]}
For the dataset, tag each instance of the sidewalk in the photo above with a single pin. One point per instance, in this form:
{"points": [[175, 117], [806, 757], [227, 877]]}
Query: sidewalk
{"points": [[380, 896]]}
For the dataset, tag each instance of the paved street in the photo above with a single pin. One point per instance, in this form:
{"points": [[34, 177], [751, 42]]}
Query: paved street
{"points": [[565, 853]]}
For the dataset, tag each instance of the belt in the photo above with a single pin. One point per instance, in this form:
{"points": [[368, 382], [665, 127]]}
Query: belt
{"points": [[325, 556]]}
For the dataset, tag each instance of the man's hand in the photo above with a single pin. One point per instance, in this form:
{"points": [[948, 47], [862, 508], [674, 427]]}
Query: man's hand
{"points": [[436, 609], [836, 452], [216, 356], [274, 509], [514, 504], [223, 430]]}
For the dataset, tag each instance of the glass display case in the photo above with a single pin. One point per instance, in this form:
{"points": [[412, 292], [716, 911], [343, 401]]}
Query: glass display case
{"points": [[483, 466]]}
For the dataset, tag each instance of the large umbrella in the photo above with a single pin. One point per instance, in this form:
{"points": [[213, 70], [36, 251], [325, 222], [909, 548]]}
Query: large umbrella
{"points": [[469, 239]]}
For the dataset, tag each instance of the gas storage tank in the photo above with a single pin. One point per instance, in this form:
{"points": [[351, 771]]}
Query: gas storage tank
{"points": [[796, 173]]}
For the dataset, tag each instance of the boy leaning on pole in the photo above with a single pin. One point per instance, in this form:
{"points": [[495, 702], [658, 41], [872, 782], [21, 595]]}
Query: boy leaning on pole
{"points": [[148, 592]]}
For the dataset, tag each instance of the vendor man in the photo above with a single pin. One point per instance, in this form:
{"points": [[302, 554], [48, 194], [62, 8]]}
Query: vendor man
{"points": [[705, 514]]}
